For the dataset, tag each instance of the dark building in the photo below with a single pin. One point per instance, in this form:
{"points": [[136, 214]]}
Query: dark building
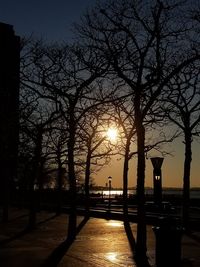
{"points": [[9, 103]]}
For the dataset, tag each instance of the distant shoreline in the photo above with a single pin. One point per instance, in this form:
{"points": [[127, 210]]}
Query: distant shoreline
{"points": [[194, 192], [146, 188]]}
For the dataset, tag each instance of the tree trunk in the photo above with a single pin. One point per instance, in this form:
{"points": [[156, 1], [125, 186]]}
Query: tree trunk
{"points": [[186, 180], [59, 187], [141, 226], [32, 208], [33, 178], [72, 180], [87, 184], [125, 179], [72, 212], [40, 183], [5, 190]]}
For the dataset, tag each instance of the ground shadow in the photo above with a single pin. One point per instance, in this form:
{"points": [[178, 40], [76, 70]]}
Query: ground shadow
{"points": [[14, 237], [186, 263], [48, 219], [130, 236], [58, 253], [139, 262], [17, 218], [25, 231], [194, 237]]}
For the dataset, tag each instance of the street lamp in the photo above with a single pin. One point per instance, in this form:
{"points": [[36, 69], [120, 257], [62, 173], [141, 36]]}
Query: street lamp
{"points": [[109, 190], [157, 179]]}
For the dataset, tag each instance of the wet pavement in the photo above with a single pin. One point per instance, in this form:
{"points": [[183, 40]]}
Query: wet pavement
{"points": [[100, 242]]}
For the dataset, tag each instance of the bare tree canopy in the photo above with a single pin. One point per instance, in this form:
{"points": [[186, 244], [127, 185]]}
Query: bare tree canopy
{"points": [[146, 44]]}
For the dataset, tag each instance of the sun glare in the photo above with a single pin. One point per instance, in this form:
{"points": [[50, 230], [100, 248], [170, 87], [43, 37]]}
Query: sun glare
{"points": [[112, 134]]}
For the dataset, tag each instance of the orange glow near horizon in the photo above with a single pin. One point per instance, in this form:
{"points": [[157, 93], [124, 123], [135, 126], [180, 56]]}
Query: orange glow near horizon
{"points": [[172, 169]]}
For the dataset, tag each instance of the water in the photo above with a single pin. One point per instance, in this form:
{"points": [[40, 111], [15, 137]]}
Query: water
{"points": [[194, 193]]}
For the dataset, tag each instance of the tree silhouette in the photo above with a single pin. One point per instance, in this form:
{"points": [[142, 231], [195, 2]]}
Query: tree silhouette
{"points": [[35, 119], [146, 44], [57, 157], [63, 76], [96, 148], [124, 116], [184, 111]]}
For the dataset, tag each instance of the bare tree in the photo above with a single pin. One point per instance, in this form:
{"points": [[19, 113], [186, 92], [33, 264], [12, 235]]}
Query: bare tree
{"points": [[154, 141], [57, 149], [35, 118], [184, 111], [62, 75], [146, 43], [97, 149], [124, 116]]}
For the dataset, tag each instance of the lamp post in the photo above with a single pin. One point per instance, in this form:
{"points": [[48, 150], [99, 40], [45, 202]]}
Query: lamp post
{"points": [[157, 179], [109, 191]]}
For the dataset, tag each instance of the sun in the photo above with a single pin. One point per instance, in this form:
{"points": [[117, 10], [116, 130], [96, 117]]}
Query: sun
{"points": [[112, 134]]}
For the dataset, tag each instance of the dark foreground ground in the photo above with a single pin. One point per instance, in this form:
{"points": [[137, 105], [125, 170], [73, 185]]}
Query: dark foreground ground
{"points": [[100, 242]]}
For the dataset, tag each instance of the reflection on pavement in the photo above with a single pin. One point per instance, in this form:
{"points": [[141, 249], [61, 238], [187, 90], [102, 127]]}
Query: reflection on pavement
{"points": [[115, 223], [111, 256], [120, 259]]}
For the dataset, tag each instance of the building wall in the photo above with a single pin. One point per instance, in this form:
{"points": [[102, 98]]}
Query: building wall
{"points": [[9, 105]]}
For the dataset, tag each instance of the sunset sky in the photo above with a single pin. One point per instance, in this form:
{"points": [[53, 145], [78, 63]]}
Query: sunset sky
{"points": [[52, 20], [172, 169]]}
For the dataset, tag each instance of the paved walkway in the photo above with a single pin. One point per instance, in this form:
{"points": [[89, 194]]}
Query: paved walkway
{"points": [[99, 243]]}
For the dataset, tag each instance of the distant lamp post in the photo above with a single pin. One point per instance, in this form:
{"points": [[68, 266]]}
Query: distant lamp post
{"points": [[109, 191], [157, 179]]}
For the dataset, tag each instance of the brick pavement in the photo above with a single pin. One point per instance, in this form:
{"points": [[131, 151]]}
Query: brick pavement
{"points": [[100, 242]]}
